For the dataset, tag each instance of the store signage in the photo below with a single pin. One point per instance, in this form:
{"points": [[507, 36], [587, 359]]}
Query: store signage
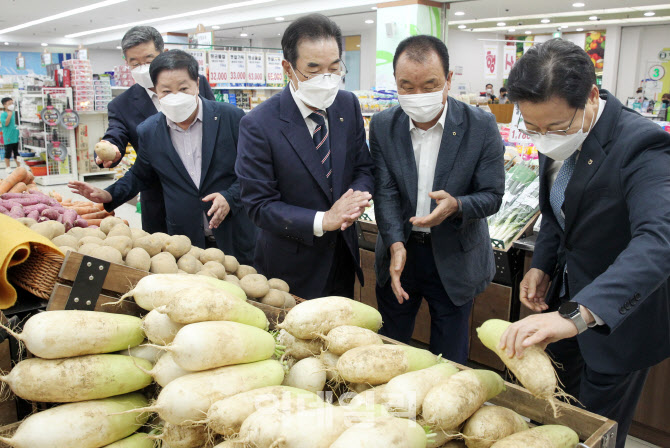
{"points": [[515, 136], [656, 72], [205, 40], [490, 60], [20, 63], [46, 59], [458, 70], [255, 69], [664, 55], [81, 54], [274, 70], [510, 59], [218, 67], [201, 57], [238, 68]]}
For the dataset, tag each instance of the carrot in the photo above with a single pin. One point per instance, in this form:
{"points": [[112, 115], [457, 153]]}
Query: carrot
{"points": [[97, 215], [30, 178], [14, 178], [20, 187], [33, 187], [126, 223], [85, 210], [94, 222], [57, 196]]}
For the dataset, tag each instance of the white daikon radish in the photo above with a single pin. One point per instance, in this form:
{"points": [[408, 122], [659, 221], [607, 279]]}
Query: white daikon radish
{"points": [[378, 364], [203, 303], [316, 317], [308, 374], [299, 348], [383, 432], [89, 424], [453, 401], [159, 328], [151, 354], [81, 378], [187, 399], [166, 370], [226, 416], [370, 397], [207, 345], [138, 440], [67, 333], [317, 427], [547, 436], [405, 393], [329, 362], [490, 424], [185, 436], [342, 339]]}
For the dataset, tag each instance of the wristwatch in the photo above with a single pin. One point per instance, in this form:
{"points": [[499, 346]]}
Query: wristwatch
{"points": [[570, 310]]}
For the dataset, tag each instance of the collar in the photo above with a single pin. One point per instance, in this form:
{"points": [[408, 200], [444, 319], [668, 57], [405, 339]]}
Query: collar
{"points": [[305, 111], [601, 108], [441, 121], [198, 117], [151, 93]]}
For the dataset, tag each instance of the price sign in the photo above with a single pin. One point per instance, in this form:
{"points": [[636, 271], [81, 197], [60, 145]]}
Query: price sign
{"points": [[218, 67], [82, 54], [201, 57], [20, 63], [255, 69], [238, 68], [656, 72], [274, 70], [46, 59]]}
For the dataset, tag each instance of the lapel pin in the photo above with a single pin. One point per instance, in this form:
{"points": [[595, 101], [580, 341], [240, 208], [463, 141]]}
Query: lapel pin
{"points": [[590, 162], [454, 132], [216, 118], [342, 119]]}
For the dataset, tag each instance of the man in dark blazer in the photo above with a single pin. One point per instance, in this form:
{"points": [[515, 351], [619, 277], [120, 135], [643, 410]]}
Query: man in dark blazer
{"points": [[605, 238], [189, 149], [304, 167], [140, 45], [438, 175]]}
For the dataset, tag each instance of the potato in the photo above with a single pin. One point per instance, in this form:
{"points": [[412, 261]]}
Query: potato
{"points": [[120, 230], [277, 283], [162, 237], [151, 244], [231, 264], [65, 240], [164, 263], [255, 285], [88, 240], [245, 270], [232, 279], [136, 234], [212, 254], [89, 231], [26, 221], [108, 253], [78, 232], [182, 272], [109, 223], [177, 245], [189, 264], [196, 252], [121, 243], [289, 300], [49, 229], [138, 258], [217, 268], [88, 249], [207, 272], [106, 151], [274, 297], [65, 249]]}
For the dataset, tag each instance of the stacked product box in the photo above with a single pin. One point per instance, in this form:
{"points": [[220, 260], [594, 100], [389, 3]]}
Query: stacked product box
{"points": [[103, 93], [122, 76], [82, 83]]}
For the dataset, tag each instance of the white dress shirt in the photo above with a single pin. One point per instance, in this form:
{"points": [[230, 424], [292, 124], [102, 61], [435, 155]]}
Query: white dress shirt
{"points": [[426, 146], [154, 98], [305, 111]]}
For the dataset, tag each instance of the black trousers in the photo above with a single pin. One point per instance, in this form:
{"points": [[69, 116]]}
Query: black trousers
{"points": [[12, 148], [449, 323], [342, 276]]}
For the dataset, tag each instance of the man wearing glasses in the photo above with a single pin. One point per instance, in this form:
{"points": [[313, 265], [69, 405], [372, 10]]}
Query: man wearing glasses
{"points": [[140, 45], [304, 167], [604, 244]]}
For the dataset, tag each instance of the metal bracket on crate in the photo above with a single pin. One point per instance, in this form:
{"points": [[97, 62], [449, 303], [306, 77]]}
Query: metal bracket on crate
{"points": [[87, 284]]}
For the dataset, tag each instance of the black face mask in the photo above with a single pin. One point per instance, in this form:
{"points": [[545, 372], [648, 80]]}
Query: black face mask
{"points": [[666, 102]]}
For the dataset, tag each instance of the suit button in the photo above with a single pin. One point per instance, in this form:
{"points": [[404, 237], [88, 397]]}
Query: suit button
{"points": [[622, 310], [636, 297], [628, 305]]}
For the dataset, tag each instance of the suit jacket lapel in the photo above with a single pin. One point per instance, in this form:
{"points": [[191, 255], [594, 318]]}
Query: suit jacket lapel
{"points": [[450, 145], [296, 132], [210, 131], [338, 150], [144, 103], [164, 141], [406, 159]]}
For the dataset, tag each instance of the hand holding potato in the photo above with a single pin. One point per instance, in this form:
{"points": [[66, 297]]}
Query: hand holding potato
{"points": [[107, 154], [93, 194], [346, 210], [219, 210]]}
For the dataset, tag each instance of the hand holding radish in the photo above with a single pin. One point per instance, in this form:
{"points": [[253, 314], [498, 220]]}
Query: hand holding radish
{"points": [[398, 259], [533, 290], [219, 210], [540, 329], [93, 194], [447, 206]]}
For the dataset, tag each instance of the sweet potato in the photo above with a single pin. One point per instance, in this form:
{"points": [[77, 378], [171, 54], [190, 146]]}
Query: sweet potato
{"points": [[96, 215], [17, 212]]}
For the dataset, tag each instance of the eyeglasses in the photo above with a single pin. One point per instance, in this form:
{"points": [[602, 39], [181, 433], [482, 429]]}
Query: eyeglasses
{"points": [[341, 72], [562, 132], [148, 61]]}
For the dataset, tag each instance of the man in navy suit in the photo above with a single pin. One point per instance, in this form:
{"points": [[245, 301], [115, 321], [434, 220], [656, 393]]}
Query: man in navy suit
{"points": [[304, 167], [439, 173], [604, 243], [189, 148], [140, 45]]}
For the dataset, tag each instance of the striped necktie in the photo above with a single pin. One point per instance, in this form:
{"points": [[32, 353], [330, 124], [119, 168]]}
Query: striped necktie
{"points": [[322, 143], [557, 194]]}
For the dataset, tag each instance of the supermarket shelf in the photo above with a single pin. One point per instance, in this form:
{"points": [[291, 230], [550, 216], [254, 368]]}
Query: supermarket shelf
{"points": [[34, 148], [247, 88], [33, 95], [83, 176], [26, 120], [56, 179], [121, 87]]}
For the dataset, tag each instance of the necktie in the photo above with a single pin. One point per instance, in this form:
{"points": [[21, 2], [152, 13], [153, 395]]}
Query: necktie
{"points": [[557, 194], [322, 143]]}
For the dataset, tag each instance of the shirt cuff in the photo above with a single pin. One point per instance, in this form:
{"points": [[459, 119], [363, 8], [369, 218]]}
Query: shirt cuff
{"points": [[596, 318], [318, 223]]}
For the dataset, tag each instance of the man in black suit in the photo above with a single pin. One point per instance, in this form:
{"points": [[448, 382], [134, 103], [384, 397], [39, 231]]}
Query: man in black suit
{"points": [[140, 45], [604, 243]]}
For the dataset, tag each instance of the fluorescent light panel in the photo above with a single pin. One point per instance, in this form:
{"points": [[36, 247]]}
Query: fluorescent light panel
{"points": [[174, 16], [61, 15], [588, 24]]}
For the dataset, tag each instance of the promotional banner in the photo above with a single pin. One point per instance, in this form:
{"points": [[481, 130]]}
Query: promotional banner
{"points": [[490, 60], [274, 71], [510, 59], [201, 57], [218, 67], [238, 69], [255, 69]]}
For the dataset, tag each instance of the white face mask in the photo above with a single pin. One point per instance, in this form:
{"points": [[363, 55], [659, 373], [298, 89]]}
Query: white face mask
{"points": [[561, 147], [141, 76], [10, 107], [489, 91], [422, 107], [179, 106], [319, 91]]}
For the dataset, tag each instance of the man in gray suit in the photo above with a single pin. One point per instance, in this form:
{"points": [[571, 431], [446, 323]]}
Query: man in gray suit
{"points": [[439, 174]]}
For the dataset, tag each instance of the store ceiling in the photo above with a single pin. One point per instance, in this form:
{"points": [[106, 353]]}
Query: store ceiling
{"points": [[103, 27]]}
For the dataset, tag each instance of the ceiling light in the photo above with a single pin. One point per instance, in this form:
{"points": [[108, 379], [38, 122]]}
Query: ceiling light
{"points": [[374, 8], [459, 13], [119, 47], [564, 27], [6, 43], [462, 27], [500, 24], [578, 5], [171, 17], [593, 18], [528, 32], [545, 20], [279, 19], [61, 15], [44, 44], [243, 35], [649, 13], [579, 29], [278, 34], [511, 30], [216, 27], [369, 21]]}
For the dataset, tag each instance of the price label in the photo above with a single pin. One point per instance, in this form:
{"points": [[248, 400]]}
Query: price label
{"points": [[238, 68], [274, 70], [255, 69], [656, 72], [201, 57], [218, 67]]}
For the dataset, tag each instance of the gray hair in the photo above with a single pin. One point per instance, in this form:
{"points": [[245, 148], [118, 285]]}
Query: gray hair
{"points": [[138, 35]]}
